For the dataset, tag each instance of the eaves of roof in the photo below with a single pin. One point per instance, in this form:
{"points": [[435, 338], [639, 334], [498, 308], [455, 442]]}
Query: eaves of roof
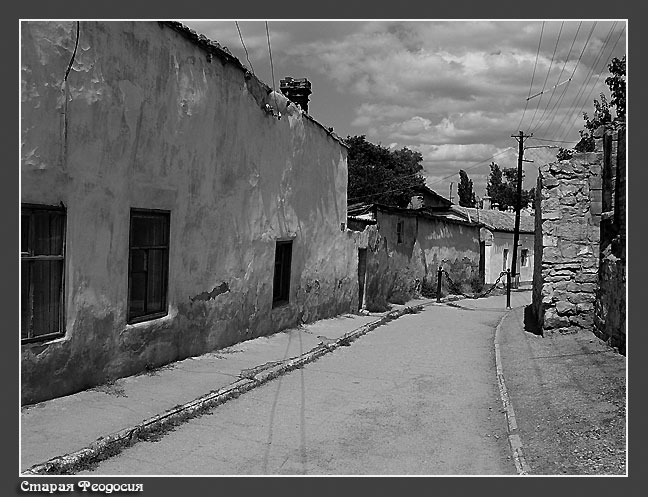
{"points": [[427, 214], [215, 49], [496, 220]]}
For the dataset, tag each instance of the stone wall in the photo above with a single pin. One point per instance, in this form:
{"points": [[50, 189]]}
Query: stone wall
{"points": [[610, 303], [568, 208]]}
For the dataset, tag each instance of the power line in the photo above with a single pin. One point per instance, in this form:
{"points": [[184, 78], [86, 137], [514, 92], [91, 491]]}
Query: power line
{"points": [[589, 36], [548, 72], [552, 141], [598, 77], [272, 68], [532, 76], [244, 47], [473, 166], [569, 116], [559, 78], [416, 174]]}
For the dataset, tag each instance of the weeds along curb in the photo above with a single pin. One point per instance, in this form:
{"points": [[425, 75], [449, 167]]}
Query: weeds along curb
{"points": [[111, 445]]}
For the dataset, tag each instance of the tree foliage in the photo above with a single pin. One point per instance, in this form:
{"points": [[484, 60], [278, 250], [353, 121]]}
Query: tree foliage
{"points": [[603, 109], [380, 175], [502, 188], [564, 154], [465, 190]]}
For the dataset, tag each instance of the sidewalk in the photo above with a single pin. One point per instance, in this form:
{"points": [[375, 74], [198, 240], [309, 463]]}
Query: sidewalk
{"points": [[568, 393], [59, 435]]}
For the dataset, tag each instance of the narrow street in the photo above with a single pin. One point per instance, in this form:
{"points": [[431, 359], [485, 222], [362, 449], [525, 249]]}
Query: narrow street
{"points": [[418, 395]]}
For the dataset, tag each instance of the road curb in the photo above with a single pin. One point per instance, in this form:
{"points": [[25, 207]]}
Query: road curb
{"points": [[111, 445], [511, 424]]}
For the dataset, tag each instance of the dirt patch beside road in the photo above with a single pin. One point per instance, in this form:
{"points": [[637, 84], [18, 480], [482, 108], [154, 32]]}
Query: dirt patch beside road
{"points": [[569, 396]]}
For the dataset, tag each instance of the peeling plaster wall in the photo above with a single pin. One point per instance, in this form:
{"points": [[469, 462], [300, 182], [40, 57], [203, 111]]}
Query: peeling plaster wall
{"points": [[392, 268], [147, 119], [396, 271], [453, 246]]}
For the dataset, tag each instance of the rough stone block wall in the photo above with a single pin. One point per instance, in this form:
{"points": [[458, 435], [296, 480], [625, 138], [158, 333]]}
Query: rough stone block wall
{"points": [[610, 304], [568, 208]]}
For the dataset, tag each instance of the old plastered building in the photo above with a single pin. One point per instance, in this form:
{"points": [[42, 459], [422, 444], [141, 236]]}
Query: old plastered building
{"points": [[406, 246], [172, 204], [496, 241]]}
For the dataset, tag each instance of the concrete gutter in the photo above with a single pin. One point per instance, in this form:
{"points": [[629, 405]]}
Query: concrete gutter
{"points": [[111, 445]]}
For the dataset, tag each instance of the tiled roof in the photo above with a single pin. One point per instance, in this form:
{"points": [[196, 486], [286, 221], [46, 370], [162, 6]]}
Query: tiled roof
{"points": [[498, 220]]}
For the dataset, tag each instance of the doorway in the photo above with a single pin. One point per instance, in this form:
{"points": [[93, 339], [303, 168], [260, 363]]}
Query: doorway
{"points": [[362, 276]]}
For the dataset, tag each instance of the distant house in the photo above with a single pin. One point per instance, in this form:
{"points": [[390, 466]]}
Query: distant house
{"points": [[172, 203], [427, 199], [496, 240], [410, 244]]}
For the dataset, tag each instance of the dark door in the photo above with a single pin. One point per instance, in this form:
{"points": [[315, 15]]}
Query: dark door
{"points": [[362, 274], [482, 261]]}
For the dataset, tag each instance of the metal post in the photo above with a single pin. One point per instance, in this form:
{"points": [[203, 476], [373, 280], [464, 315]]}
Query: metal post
{"points": [[508, 288], [439, 275]]}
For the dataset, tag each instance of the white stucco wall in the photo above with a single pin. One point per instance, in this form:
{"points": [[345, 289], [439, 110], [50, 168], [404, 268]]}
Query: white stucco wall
{"points": [[146, 119], [495, 255]]}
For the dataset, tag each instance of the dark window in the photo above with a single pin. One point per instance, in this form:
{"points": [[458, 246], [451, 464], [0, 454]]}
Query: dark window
{"points": [[399, 231], [281, 283], [524, 257], [42, 262], [148, 265]]}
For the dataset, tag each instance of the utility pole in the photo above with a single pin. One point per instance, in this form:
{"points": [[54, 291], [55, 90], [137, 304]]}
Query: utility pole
{"points": [[451, 191], [518, 201]]}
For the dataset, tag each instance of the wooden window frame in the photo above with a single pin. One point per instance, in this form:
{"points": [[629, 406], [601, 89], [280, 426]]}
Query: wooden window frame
{"points": [[282, 273], [30, 258], [147, 316]]}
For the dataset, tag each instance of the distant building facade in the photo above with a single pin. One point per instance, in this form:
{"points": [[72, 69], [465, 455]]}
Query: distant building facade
{"points": [[497, 237]]}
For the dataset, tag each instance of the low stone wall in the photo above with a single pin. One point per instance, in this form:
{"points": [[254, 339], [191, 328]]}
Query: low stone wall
{"points": [[568, 208]]}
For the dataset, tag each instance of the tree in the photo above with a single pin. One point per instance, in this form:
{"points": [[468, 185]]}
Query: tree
{"points": [[502, 188], [603, 110], [564, 154], [465, 190], [380, 175]]}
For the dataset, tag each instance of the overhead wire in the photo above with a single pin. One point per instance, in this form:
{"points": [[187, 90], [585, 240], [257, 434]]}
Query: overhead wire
{"points": [[433, 183], [598, 77], [537, 127], [570, 117], [247, 56], [272, 69], [571, 77], [526, 104], [553, 56]]}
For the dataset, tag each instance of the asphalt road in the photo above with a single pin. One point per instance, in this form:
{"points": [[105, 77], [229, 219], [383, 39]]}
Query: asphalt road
{"points": [[416, 396]]}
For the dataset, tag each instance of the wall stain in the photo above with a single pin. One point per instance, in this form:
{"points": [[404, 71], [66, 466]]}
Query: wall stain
{"points": [[204, 296]]}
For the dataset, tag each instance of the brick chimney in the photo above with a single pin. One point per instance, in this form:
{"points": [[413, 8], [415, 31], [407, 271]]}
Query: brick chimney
{"points": [[297, 90], [486, 202]]}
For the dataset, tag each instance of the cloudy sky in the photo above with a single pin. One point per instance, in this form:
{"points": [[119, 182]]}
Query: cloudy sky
{"points": [[454, 90]]}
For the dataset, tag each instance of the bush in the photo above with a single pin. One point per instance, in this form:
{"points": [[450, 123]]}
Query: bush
{"points": [[429, 288]]}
